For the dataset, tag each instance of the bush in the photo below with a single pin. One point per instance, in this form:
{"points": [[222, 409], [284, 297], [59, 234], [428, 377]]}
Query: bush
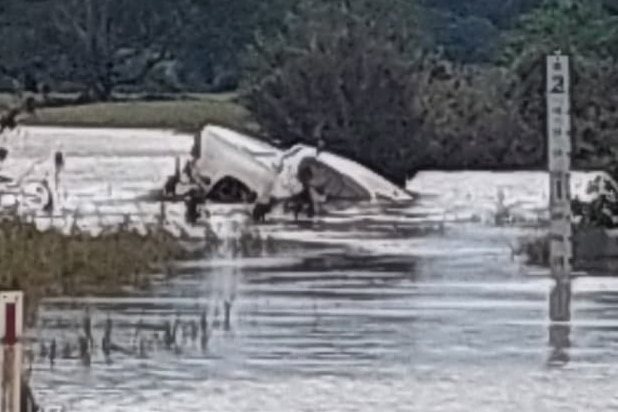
{"points": [[340, 76], [337, 79]]}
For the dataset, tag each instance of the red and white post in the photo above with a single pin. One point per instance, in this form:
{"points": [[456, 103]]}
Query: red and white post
{"points": [[11, 330]]}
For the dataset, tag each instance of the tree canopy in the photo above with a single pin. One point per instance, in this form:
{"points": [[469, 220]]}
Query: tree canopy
{"points": [[202, 42]]}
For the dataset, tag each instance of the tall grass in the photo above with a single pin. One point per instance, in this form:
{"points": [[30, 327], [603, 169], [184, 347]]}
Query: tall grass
{"points": [[49, 263]]}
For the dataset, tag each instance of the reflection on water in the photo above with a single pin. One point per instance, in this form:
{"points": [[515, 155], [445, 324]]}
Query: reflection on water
{"points": [[377, 309], [559, 340], [560, 301]]}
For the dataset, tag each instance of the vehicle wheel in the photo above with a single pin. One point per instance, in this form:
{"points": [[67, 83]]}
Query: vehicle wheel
{"points": [[230, 190]]}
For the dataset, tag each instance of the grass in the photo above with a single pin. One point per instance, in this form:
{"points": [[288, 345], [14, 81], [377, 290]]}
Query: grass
{"points": [[49, 263], [186, 115]]}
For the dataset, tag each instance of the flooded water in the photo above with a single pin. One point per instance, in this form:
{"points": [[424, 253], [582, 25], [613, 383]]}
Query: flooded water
{"points": [[416, 309]]}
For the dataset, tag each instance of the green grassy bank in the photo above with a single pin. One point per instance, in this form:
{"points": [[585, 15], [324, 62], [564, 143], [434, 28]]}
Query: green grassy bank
{"points": [[187, 114]]}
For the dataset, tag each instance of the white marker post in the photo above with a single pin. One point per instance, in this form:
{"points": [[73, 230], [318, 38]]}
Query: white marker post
{"points": [[559, 162], [11, 329]]}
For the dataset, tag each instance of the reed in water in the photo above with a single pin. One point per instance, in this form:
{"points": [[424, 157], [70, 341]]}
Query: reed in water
{"points": [[51, 263]]}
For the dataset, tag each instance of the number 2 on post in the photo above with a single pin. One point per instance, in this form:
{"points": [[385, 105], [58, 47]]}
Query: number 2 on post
{"points": [[558, 87]]}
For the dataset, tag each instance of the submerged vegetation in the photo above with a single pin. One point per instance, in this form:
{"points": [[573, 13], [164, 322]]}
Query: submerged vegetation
{"points": [[51, 263], [534, 249], [595, 216]]}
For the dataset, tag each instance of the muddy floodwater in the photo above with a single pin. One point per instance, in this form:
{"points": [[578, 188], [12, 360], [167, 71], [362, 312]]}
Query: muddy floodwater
{"points": [[421, 308]]}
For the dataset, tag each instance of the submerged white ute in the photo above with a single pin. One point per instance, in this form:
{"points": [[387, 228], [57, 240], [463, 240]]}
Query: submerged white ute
{"points": [[230, 167]]}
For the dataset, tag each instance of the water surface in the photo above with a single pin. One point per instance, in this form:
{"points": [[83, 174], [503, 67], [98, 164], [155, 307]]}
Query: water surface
{"points": [[421, 309]]}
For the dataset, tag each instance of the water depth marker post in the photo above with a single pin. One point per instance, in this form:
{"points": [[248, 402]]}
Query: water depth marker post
{"points": [[559, 164]]}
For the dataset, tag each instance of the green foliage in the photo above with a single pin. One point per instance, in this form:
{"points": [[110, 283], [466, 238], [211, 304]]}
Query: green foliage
{"points": [[384, 102], [337, 73], [99, 46], [219, 35], [594, 105], [468, 122], [49, 263], [588, 32], [578, 27], [469, 31]]}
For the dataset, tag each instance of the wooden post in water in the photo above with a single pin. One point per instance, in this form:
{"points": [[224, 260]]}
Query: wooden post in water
{"points": [[11, 329], [559, 164]]}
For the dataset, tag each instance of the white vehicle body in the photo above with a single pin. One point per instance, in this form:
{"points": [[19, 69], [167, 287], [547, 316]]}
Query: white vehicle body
{"points": [[226, 154], [263, 168]]}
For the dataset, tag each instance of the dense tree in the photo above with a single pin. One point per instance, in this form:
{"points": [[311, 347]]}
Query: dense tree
{"points": [[594, 105], [586, 30], [340, 76], [468, 121], [22, 45], [104, 44], [337, 73], [213, 47], [100, 45], [469, 31], [579, 27]]}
